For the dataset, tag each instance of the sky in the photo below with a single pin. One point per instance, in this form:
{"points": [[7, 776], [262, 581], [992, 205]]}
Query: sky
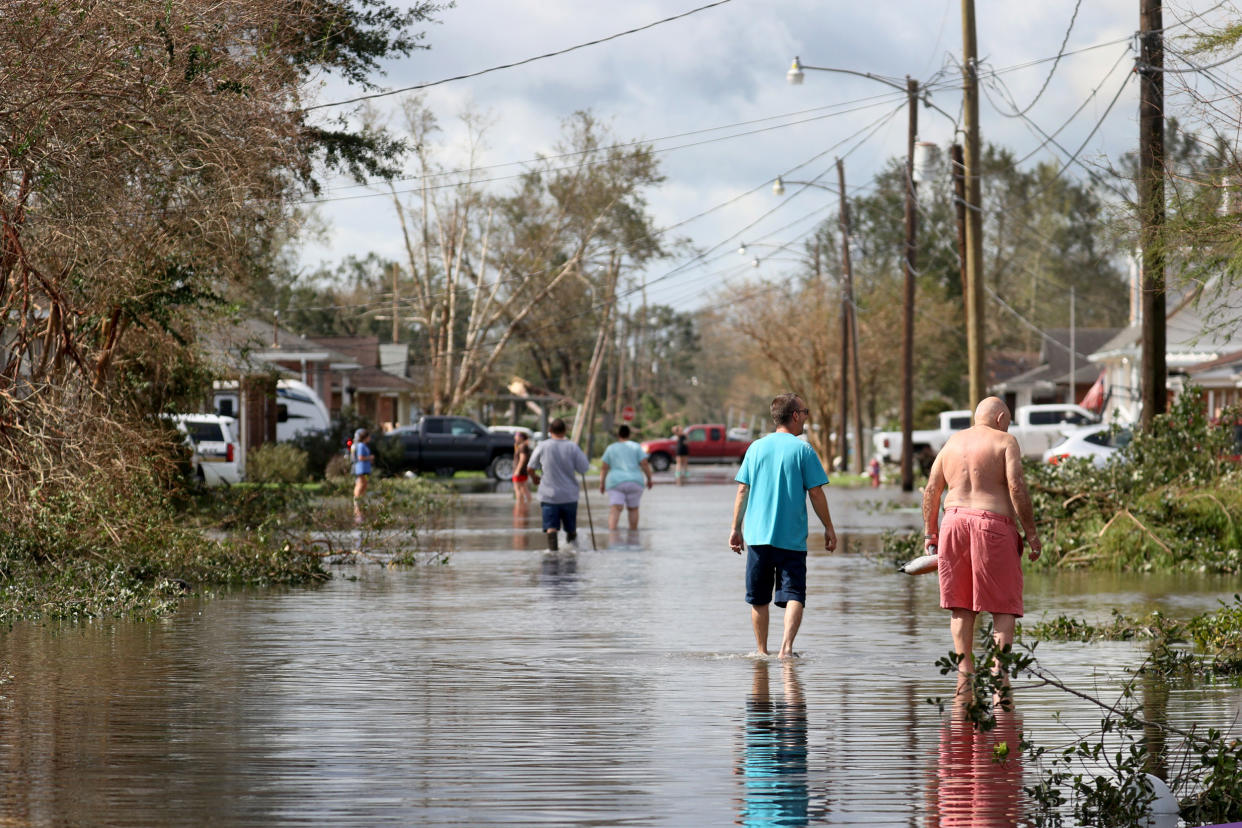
{"points": [[708, 91]]}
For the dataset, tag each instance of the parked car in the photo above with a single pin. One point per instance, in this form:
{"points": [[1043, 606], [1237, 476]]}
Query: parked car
{"points": [[1100, 442], [213, 446], [707, 444], [1039, 427], [445, 445]]}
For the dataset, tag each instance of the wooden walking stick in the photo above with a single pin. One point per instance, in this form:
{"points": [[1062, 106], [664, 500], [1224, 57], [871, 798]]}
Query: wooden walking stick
{"points": [[590, 521]]}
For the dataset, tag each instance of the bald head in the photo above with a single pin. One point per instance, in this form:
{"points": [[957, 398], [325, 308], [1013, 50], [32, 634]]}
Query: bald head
{"points": [[992, 412]]}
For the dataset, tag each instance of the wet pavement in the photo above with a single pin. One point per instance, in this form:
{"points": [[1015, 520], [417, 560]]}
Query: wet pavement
{"points": [[511, 686]]}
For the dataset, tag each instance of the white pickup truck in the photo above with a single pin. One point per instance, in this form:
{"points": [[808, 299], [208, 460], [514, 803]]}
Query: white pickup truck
{"points": [[1036, 427], [927, 442], [1040, 427]]}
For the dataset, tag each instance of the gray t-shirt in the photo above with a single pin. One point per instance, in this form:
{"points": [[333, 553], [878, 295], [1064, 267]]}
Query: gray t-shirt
{"points": [[558, 460]]}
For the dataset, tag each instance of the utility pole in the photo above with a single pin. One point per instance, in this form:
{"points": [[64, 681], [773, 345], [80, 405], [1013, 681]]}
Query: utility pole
{"points": [[851, 331], [959, 208], [1151, 209], [907, 320], [1073, 383], [394, 303], [975, 342]]}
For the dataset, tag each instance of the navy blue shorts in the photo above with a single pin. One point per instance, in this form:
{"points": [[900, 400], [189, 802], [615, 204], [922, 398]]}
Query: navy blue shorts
{"points": [[560, 516], [769, 567]]}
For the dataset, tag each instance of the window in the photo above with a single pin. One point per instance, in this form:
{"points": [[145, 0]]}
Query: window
{"points": [[1045, 417], [434, 425], [205, 432], [225, 407], [1100, 438], [1075, 418], [715, 432], [297, 396], [697, 435], [465, 428], [958, 423]]}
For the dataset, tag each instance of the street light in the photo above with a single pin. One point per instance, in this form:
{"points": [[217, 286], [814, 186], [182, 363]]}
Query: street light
{"points": [[795, 76]]}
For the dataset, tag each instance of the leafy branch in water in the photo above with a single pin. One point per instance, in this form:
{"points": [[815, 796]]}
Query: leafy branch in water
{"points": [[1216, 634], [1111, 775]]}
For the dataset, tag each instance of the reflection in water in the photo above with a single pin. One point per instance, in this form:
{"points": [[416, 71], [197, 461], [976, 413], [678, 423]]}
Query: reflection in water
{"points": [[559, 568], [521, 525], [977, 783], [774, 757], [624, 539]]}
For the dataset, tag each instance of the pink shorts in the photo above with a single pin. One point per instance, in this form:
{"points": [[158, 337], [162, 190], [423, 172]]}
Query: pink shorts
{"points": [[980, 562]]}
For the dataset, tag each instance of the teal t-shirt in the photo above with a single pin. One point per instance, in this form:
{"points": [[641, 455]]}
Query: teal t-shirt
{"points": [[623, 458], [779, 469]]}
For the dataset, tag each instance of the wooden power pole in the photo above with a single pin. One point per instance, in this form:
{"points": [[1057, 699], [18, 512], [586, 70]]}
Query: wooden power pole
{"points": [[907, 320], [976, 344], [1151, 210], [851, 331]]}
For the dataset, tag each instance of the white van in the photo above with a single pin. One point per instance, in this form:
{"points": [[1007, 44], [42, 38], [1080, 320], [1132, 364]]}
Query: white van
{"points": [[298, 408], [213, 442]]}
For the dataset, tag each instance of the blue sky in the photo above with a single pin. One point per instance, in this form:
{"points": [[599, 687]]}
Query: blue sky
{"points": [[726, 65]]}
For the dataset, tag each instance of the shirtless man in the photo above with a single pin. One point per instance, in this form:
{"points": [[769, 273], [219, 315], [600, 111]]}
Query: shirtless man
{"points": [[980, 550]]}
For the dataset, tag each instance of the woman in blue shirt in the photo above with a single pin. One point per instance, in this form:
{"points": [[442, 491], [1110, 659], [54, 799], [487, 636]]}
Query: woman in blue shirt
{"points": [[622, 470], [360, 453]]}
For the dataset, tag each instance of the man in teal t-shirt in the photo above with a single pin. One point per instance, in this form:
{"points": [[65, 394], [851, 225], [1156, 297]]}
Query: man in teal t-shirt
{"points": [[777, 474]]}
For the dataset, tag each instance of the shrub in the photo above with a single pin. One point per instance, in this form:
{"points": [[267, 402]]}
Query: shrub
{"points": [[277, 463], [338, 468]]}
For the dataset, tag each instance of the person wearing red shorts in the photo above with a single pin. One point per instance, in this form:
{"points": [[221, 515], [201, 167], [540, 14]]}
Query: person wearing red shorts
{"points": [[978, 545]]}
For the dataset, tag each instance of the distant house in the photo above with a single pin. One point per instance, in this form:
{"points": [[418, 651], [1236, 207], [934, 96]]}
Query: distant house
{"points": [[254, 354], [1203, 326], [1056, 378], [379, 388], [1220, 379]]}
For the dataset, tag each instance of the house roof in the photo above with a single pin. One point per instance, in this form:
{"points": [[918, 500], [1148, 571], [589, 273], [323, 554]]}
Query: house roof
{"points": [[250, 345], [1201, 324], [375, 381], [1054, 363], [362, 349]]}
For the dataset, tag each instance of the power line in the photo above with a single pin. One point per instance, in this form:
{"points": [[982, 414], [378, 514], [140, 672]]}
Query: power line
{"points": [[855, 105], [1055, 63], [589, 163], [545, 56]]}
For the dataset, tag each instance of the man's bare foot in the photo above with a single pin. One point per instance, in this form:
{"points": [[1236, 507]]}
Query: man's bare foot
{"points": [[784, 656], [760, 654]]}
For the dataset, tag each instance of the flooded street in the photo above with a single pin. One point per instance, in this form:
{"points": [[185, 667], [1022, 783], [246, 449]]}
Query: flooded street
{"points": [[609, 687]]}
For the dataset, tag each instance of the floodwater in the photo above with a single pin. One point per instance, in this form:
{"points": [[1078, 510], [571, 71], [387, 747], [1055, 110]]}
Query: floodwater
{"points": [[608, 687]]}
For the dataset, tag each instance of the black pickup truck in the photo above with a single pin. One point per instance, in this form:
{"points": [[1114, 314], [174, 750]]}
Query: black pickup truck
{"points": [[444, 445]]}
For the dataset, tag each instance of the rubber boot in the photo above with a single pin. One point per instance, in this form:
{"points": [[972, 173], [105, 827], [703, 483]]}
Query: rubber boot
{"points": [[571, 537], [552, 546]]}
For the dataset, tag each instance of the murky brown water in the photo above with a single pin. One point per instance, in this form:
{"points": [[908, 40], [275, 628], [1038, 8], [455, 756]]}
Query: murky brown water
{"points": [[510, 687]]}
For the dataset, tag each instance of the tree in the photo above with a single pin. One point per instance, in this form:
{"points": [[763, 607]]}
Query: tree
{"points": [[149, 156], [538, 266]]}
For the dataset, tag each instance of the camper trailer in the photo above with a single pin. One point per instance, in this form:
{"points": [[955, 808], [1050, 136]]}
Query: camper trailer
{"points": [[298, 408]]}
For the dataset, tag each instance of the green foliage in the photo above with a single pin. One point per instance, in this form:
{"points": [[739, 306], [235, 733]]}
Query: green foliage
{"points": [[1170, 500], [1217, 635], [277, 463]]}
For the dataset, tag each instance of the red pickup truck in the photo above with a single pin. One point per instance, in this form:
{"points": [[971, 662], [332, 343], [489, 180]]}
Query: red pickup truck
{"points": [[707, 444]]}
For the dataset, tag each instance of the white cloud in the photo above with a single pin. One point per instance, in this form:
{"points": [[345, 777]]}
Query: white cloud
{"points": [[726, 65]]}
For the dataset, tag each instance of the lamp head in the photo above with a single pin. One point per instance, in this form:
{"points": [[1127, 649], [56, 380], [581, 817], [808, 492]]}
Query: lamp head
{"points": [[794, 75], [778, 186], [741, 250]]}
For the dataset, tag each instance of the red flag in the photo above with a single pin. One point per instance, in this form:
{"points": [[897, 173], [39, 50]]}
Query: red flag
{"points": [[1093, 400]]}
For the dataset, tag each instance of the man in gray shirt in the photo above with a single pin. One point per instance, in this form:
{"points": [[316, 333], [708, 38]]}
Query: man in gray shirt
{"points": [[558, 459]]}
